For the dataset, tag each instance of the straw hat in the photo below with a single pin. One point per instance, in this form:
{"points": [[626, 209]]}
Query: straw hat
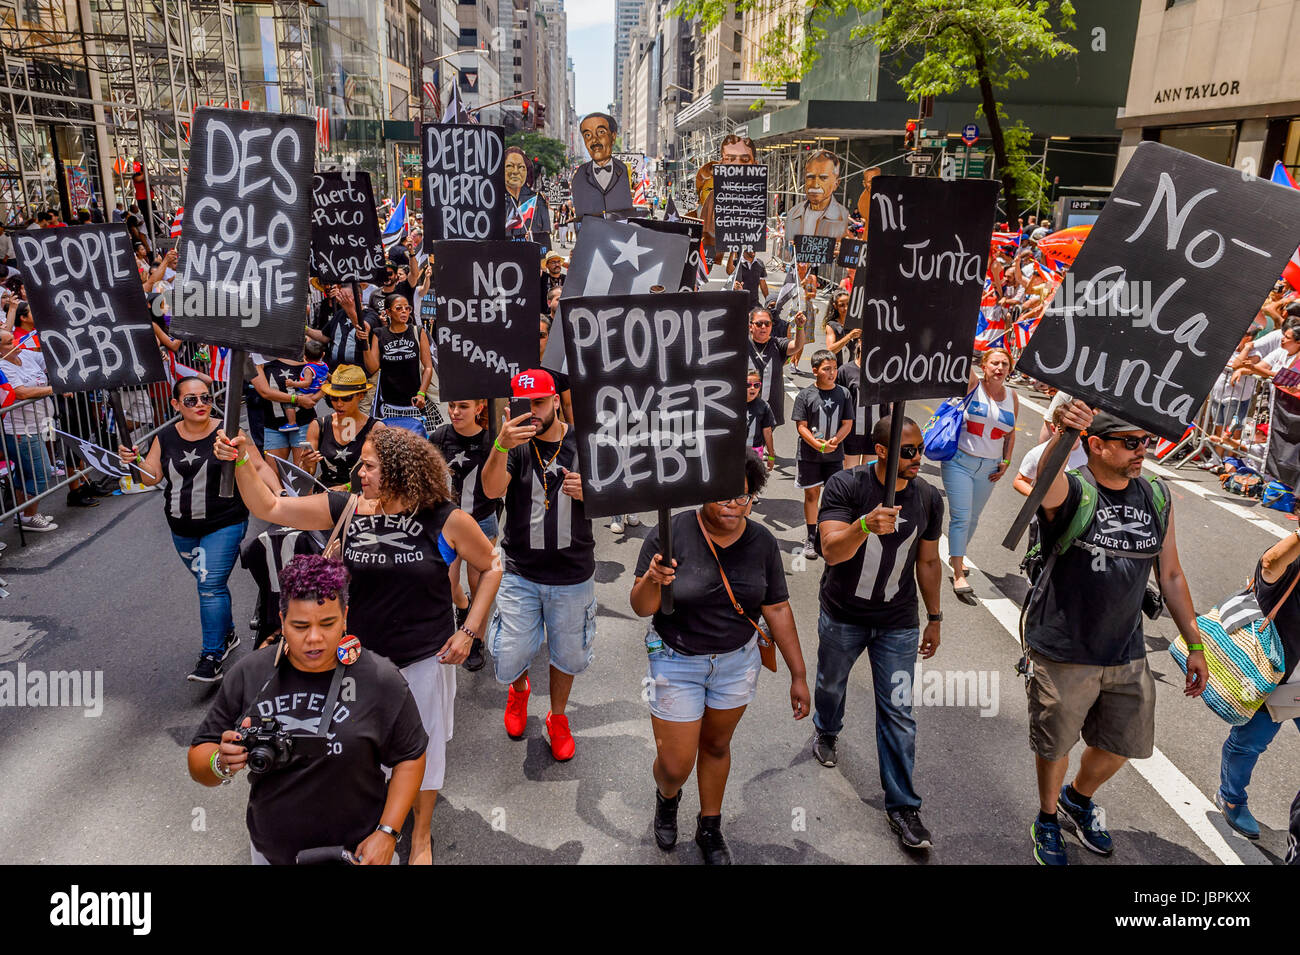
{"points": [[346, 381]]}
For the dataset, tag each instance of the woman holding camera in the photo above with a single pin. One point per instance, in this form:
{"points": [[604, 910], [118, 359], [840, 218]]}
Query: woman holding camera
{"points": [[329, 788], [398, 537]]}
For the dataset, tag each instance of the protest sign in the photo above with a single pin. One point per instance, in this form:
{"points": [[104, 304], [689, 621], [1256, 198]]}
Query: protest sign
{"points": [[852, 254], [94, 324], [740, 207], [464, 182], [694, 231], [488, 302], [1173, 271], [917, 301], [814, 249], [345, 244], [246, 236], [658, 386]]}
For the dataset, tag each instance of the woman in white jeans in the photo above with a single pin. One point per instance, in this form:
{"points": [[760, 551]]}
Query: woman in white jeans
{"points": [[984, 447]]}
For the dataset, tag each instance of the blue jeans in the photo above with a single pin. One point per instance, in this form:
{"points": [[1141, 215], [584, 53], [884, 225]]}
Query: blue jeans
{"points": [[966, 482], [1241, 751], [26, 452], [890, 651], [211, 567]]}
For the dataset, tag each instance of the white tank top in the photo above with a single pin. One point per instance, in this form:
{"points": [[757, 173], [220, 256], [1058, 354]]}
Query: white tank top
{"points": [[987, 423]]}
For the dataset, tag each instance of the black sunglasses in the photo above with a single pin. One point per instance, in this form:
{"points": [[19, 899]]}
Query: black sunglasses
{"points": [[193, 401], [909, 451], [1131, 442]]}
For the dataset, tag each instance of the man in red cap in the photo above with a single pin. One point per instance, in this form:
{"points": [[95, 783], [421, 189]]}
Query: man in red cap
{"points": [[549, 589]]}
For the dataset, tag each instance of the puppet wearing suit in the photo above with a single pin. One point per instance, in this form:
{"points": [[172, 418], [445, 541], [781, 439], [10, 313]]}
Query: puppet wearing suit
{"points": [[601, 185]]}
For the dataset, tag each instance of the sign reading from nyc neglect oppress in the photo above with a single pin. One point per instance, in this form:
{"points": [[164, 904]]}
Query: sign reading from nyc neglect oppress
{"points": [[1172, 273], [246, 239], [464, 182], [918, 303], [94, 324]]}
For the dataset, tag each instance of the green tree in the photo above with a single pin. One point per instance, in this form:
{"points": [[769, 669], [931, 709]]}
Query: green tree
{"points": [[940, 47], [548, 153]]}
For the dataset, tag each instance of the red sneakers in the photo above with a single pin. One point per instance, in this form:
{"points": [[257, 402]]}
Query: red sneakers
{"points": [[562, 745], [517, 711]]}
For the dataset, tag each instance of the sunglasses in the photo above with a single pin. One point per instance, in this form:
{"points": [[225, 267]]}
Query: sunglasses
{"points": [[743, 500], [193, 401], [1130, 442], [761, 324], [909, 451], [753, 385], [334, 398]]}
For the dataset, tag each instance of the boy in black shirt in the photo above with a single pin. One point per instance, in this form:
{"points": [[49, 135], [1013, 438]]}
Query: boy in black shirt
{"points": [[875, 558], [823, 413], [758, 420]]}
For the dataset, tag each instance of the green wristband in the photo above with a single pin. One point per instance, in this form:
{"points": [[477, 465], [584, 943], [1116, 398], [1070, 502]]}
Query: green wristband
{"points": [[496, 443], [1194, 647], [862, 522]]}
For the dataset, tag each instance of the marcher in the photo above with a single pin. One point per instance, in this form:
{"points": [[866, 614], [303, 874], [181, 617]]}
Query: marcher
{"points": [[768, 354], [834, 320], [823, 414], [704, 658], [758, 420], [399, 354], [335, 441]]}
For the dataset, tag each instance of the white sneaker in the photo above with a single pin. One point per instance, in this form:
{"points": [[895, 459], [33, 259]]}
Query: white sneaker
{"points": [[128, 486], [38, 524], [633, 521], [616, 525]]}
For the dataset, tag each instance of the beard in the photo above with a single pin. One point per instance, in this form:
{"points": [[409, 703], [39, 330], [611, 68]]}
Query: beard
{"points": [[544, 424]]}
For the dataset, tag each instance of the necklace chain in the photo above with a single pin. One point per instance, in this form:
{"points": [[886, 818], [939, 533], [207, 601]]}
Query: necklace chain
{"points": [[546, 487]]}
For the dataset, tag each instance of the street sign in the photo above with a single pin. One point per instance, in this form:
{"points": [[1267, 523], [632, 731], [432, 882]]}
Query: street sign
{"points": [[919, 158], [970, 133]]}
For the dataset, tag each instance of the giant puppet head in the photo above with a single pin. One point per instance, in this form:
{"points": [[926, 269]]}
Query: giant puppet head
{"points": [[516, 168], [598, 132], [821, 177]]}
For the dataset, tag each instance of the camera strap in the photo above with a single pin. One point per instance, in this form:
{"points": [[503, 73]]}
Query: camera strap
{"points": [[331, 696]]}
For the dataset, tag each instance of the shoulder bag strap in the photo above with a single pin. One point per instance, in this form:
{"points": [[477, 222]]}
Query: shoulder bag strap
{"points": [[1278, 606], [721, 573], [334, 546]]}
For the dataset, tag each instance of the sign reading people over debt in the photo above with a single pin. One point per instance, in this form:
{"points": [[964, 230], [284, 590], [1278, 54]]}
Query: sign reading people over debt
{"points": [[740, 207], [488, 303], [94, 326], [917, 301], [246, 239], [464, 182], [814, 249], [345, 244], [658, 385], [1174, 268]]}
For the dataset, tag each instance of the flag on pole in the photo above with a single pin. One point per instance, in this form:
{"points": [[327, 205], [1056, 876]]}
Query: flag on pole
{"points": [[221, 366], [101, 459], [1291, 271], [395, 227], [670, 211], [702, 269], [523, 215], [788, 288], [323, 128], [176, 222], [455, 112], [297, 482], [432, 95]]}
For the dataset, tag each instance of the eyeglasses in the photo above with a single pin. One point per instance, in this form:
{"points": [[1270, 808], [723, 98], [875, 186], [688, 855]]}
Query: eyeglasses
{"points": [[909, 451], [753, 385], [761, 324], [193, 401], [1131, 442], [742, 501]]}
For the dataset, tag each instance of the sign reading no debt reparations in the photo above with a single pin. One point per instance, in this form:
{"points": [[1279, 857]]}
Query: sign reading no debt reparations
{"points": [[488, 304], [246, 238], [345, 244], [464, 182], [1173, 271], [917, 300], [94, 325], [658, 385]]}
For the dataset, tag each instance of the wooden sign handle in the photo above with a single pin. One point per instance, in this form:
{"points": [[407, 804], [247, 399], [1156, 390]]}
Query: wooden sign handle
{"points": [[235, 379], [895, 442], [123, 428], [1048, 468], [666, 553]]}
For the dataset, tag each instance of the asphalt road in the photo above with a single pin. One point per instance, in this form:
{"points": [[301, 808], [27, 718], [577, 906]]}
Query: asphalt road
{"points": [[106, 592]]}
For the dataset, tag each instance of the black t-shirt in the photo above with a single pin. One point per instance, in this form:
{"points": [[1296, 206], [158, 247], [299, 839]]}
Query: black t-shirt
{"points": [[399, 600], [859, 440], [758, 415], [749, 275], [343, 347], [703, 619], [399, 366], [548, 545], [339, 460], [1063, 622], [769, 361], [844, 352], [338, 798], [824, 412], [278, 374], [465, 458], [1287, 620], [876, 587], [191, 487], [264, 556]]}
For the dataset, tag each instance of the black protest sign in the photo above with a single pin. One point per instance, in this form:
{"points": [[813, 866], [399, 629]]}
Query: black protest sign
{"points": [[345, 244], [1172, 272], [814, 249], [917, 300], [464, 182], [658, 385], [488, 302], [852, 254], [694, 231], [85, 291], [740, 207], [246, 237]]}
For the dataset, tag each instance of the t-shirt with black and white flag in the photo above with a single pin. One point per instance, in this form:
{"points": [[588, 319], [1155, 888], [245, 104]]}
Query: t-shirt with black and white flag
{"points": [[264, 556], [553, 544], [335, 799], [768, 360], [849, 377], [823, 412], [758, 415], [876, 587], [465, 457], [191, 477]]}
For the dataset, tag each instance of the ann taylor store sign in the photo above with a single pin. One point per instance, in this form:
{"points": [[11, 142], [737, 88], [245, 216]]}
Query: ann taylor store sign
{"points": [[1198, 91]]}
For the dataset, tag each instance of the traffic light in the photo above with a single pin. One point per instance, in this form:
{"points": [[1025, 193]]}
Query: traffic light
{"points": [[525, 106], [909, 135], [541, 116]]}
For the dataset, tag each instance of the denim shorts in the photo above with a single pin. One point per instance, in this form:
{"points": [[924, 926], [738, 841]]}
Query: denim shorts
{"points": [[563, 616], [275, 440], [489, 526], [679, 686]]}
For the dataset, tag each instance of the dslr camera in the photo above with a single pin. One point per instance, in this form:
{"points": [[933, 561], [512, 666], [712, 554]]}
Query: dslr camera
{"points": [[270, 747]]}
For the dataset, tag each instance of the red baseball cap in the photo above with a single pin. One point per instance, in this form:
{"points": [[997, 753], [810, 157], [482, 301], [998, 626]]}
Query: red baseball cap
{"points": [[533, 383]]}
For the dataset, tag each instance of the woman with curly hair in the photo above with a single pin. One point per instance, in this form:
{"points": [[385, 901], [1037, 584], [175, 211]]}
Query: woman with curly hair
{"points": [[399, 537]]}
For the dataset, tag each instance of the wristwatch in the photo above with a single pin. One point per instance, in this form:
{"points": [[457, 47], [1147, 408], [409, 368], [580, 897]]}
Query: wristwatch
{"points": [[397, 836], [934, 617]]}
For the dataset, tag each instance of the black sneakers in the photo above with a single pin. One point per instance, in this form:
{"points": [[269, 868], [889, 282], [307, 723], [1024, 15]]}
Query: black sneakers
{"points": [[708, 836], [906, 822], [665, 824], [824, 747], [232, 641], [474, 662], [207, 670]]}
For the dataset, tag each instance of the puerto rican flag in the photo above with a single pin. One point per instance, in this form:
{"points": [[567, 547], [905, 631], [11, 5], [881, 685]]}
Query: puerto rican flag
{"points": [[176, 222], [323, 128], [176, 370], [221, 365], [1291, 271], [1008, 241], [522, 216], [7, 394]]}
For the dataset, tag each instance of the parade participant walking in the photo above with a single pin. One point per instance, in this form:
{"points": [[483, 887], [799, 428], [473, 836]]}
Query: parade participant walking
{"points": [[1087, 670], [335, 441], [876, 557], [270, 382], [206, 527], [834, 320], [399, 354], [768, 354], [823, 414], [751, 276], [398, 537], [339, 797], [984, 446], [548, 593], [465, 445], [704, 656], [758, 420], [858, 445]]}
